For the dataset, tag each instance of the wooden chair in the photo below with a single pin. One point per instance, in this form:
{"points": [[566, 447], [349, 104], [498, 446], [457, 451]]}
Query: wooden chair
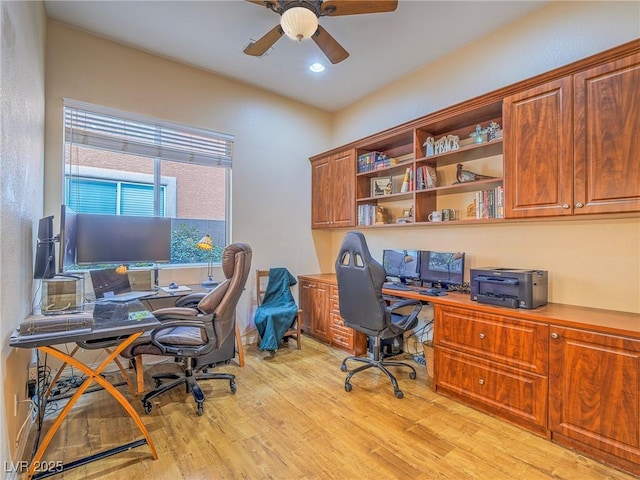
{"points": [[262, 279]]}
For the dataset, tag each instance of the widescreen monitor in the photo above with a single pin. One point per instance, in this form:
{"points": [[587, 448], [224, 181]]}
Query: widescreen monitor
{"points": [[45, 265], [401, 264], [111, 239], [444, 268]]}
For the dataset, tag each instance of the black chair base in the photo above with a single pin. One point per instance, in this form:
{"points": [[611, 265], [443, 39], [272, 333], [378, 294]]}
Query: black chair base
{"points": [[191, 383], [382, 365]]}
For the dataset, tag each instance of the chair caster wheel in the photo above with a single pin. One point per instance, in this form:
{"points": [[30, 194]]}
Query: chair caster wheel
{"points": [[348, 387], [343, 367], [147, 407], [399, 394], [412, 375], [232, 387], [200, 409]]}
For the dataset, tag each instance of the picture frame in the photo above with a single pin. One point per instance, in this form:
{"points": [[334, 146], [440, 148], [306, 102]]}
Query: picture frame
{"points": [[381, 186]]}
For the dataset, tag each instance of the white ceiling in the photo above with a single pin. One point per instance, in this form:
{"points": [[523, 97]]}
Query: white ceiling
{"points": [[212, 34]]}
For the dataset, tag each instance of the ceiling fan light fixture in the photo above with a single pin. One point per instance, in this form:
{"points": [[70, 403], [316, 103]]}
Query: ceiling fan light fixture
{"points": [[299, 23]]}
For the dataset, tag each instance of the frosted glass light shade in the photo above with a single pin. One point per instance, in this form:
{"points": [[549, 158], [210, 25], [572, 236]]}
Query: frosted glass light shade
{"points": [[299, 23]]}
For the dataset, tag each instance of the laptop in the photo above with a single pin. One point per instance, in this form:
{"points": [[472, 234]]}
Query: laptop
{"points": [[108, 285]]}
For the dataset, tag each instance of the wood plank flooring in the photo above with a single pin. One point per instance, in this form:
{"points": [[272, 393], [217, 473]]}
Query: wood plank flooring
{"points": [[292, 419]]}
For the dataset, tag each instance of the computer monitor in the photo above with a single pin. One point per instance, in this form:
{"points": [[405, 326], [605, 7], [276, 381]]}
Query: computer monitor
{"points": [[68, 232], [443, 268], [45, 264], [401, 264], [122, 239]]}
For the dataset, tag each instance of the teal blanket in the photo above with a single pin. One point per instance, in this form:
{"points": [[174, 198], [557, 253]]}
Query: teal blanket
{"points": [[278, 309]]}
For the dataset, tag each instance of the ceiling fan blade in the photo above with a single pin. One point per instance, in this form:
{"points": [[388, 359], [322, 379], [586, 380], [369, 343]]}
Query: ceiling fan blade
{"points": [[329, 46], [260, 46], [334, 8]]}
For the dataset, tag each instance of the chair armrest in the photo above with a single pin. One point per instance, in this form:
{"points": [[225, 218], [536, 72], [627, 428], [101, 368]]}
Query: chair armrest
{"points": [[190, 300], [173, 312], [404, 303]]}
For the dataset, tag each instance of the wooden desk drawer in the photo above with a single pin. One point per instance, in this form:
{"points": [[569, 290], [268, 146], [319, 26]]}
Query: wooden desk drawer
{"points": [[505, 340], [507, 392]]}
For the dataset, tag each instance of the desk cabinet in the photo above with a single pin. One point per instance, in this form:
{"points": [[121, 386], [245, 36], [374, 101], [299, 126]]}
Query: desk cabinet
{"points": [[320, 305], [495, 362], [314, 301], [594, 387]]}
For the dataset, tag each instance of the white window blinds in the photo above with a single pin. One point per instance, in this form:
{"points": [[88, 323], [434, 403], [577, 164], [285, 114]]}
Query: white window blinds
{"points": [[107, 129]]}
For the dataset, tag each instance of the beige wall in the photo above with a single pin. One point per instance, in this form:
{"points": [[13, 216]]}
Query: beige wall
{"points": [[274, 138], [591, 262], [23, 30]]}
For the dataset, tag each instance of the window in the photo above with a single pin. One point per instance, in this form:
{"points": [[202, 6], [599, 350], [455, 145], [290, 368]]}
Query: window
{"points": [[121, 163]]}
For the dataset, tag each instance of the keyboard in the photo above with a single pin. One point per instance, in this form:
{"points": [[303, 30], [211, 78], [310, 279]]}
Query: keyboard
{"points": [[396, 286], [127, 296], [433, 291]]}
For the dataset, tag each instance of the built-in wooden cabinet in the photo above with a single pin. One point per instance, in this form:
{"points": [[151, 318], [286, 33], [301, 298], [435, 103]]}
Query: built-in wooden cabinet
{"points": [[332, 190], [320, 305], [495, 362], [538, 146], [606, 140], [314, 302], [569, 146], [594, 391]]}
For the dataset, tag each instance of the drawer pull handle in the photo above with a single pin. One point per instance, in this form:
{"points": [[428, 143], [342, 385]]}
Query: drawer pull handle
{"points": [[481, 381], [579, 205], [555, 335], [481, 336]]}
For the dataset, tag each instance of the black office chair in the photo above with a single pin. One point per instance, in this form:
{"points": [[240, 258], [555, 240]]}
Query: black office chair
{"points": [[360, 279], [193, 333]]}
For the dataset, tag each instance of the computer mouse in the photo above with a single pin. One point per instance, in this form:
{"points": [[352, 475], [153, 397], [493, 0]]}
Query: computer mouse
{"points": [[173, 285]]}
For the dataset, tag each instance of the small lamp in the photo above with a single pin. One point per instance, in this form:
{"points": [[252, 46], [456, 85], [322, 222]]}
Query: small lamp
{"points": [[205, 243]]}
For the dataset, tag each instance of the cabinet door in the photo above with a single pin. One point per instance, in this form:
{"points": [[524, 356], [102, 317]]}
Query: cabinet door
{"points": [[538, 156], [607, 143], [594, 383], [320, 321], [342, 199], [306, 304], [321, 183]]}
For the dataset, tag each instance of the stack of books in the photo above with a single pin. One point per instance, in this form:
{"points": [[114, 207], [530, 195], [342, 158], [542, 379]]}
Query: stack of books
{"points": [[490, 203]]}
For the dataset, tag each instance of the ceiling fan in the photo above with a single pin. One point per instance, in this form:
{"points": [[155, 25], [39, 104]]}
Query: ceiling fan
{"points": [[300, 21]]}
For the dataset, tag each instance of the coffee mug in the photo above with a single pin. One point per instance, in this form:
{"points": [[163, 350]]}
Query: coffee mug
{"points": [[435, 216]]}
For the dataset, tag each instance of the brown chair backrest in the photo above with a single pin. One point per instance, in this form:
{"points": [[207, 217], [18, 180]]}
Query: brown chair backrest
{"points": [[236, 263]]}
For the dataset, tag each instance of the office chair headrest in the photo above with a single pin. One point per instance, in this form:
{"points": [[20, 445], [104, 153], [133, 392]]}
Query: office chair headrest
{"points": [[229, 257]]}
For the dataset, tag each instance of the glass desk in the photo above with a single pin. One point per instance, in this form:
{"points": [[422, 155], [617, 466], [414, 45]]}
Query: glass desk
{"points": [[115, 324]]}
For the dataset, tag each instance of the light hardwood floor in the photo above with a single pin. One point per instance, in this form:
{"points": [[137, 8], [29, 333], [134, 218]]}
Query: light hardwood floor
{"points": [[292, 419]]}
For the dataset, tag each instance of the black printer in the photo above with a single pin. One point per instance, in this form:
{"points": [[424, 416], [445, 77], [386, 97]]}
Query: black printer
{"points": [[509, 287]]}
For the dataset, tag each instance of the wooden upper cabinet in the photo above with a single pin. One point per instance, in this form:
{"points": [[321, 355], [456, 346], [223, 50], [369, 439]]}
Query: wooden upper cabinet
{"points": [[320, 193], [343, 192], [333, 190], [538, 157], [607, 137]]}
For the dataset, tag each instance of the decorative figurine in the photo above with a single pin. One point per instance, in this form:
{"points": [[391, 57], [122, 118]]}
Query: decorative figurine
{"points": [[492, 131], [464, 176], [478, 134]]}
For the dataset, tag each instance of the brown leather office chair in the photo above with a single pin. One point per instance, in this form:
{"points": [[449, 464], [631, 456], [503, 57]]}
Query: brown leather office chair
{"points": [[292, 331], [190, 333]]}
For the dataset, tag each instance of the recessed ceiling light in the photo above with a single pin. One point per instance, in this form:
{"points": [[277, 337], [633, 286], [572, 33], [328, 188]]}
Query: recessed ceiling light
{"points": [[316, 67]]}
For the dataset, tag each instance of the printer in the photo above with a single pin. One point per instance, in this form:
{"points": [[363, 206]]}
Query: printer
{"points": [[509, 287]]}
